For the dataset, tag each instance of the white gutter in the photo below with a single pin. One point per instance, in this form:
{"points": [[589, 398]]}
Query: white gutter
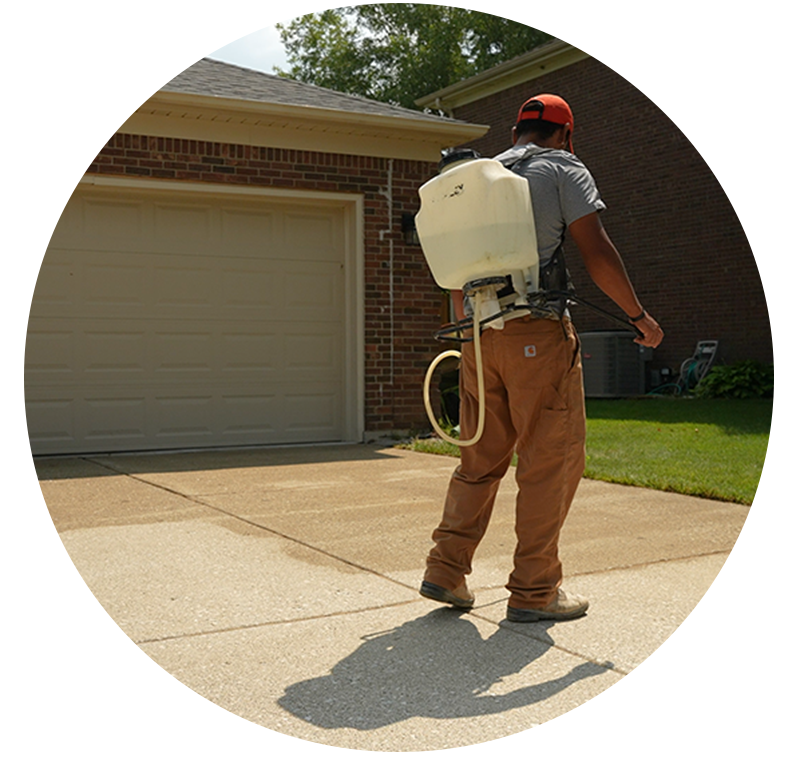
{"points": [[304, 127], [312, 114]]}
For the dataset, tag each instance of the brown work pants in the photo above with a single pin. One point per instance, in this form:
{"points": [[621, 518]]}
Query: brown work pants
{"points": [[534, 403]]}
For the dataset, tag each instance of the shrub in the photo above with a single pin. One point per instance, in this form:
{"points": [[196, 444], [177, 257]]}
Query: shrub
{"points": [[744, 380]]}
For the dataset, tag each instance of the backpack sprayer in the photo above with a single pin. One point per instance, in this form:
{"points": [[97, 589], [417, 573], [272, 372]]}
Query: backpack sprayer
{"points": [[478, 235]]}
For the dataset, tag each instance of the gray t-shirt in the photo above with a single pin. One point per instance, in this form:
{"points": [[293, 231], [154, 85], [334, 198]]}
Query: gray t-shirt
{"points": [[562, 191]]}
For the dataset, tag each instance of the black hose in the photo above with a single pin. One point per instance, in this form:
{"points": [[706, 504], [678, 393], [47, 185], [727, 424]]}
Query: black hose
{"points": [[444, 334], [465, 323], [610, 316]]}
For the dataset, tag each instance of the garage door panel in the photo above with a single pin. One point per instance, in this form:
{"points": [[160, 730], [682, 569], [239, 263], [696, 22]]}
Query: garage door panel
{"points": [[249, 232], [51, 421], [56, 284], [191, 227], [250, 416], [185, 418], [49, 353], [107, 285], [106, 223], [318, 234], [250, 351], [86, 352], [187, 351], [111, 352], [312, 412], [271, 290], [312, 352], [255, 289], [114, 280], [76, 283], [58, 421], [114, 419], [129, 418], [183, 285], [187, 322], [317, 286], [186, 227]]}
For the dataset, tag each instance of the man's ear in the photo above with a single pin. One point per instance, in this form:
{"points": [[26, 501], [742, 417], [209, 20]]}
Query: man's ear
{"points": [[513, 135]]}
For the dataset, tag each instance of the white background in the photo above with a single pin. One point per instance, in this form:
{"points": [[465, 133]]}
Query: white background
{"points": [[72, 682]]}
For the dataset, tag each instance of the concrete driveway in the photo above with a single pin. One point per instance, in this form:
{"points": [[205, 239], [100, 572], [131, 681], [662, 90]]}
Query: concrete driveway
{"points": [[281, 584]]}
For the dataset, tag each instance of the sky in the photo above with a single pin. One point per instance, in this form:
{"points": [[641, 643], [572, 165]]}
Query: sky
{"points": [[262, 50]]}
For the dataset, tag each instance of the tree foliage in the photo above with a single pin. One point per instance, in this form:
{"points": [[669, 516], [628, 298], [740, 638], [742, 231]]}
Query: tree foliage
{"points": [[399, 52]]}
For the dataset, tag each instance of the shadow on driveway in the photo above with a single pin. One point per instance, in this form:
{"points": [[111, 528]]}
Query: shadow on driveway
{"points": [[436, 666], [54, 468]]}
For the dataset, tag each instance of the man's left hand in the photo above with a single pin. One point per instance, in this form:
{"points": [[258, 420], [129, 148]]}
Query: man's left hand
{"points": [[651, 331]]}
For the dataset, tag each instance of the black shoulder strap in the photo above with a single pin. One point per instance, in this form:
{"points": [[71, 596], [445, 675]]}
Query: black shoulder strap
{"points": [[553, 275]]}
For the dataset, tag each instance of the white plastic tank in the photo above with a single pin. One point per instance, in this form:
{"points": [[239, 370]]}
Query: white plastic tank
{"points": [[476, 221]]}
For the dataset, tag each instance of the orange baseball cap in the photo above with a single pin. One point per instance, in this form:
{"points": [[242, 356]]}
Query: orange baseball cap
{"points": [[548, 108]]}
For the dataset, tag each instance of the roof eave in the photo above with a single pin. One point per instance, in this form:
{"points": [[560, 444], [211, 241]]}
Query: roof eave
{"points": [[540, 61], [194, 116]]}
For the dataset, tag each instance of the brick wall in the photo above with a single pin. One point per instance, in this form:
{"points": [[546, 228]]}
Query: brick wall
{"points": [[681, 241], [684, 248], [399, 342]]}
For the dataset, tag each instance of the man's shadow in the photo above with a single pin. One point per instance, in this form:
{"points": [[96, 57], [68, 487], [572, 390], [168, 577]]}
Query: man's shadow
{"points": [[436, 666]]}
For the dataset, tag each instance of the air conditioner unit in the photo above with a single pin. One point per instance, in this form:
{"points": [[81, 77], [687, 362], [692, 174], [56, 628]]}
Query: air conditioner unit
{"points": [[613, 364]]}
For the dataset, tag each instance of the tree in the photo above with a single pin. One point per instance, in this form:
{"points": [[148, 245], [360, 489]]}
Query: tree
{"points": [[399, 52]]}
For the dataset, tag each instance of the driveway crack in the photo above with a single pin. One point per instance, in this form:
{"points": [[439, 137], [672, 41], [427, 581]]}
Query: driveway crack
{"points": [[194, 499]]}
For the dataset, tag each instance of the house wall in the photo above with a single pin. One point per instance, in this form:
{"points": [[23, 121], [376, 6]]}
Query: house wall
{"points": [[402, 303], [683, 245]]}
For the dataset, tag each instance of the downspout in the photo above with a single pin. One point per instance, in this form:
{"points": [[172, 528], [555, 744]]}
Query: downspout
{"points": [[389, 195]]}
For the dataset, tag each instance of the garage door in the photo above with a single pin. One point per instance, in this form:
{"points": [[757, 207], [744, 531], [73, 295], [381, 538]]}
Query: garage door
{"points": [[179, 320]]}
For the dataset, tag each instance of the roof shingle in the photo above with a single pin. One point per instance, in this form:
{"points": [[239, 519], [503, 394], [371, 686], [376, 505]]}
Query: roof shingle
{"points": [[217, 79]]}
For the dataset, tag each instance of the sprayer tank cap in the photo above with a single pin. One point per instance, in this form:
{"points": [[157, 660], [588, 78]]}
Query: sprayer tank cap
{"points": [[457, 155]]}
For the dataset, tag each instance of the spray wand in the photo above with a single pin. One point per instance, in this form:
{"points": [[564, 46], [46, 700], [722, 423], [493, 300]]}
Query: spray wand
{"points": [[537, 302]]}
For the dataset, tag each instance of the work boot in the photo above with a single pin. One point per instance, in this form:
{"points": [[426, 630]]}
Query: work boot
{"points": [[460, 597], [565, 606]]}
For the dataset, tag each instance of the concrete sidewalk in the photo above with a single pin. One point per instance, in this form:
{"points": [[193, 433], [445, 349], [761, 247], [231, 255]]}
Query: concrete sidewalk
{"points": [[282, 584]]}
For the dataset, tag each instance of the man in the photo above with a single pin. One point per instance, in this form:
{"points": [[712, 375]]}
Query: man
{"points": [[534, 387]]}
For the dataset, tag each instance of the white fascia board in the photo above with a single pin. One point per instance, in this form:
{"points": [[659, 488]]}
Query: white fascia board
{"points": [[217, 119]]}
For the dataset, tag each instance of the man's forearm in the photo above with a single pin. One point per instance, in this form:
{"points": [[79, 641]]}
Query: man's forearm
{"points": [[608, 272], [604, 264]]}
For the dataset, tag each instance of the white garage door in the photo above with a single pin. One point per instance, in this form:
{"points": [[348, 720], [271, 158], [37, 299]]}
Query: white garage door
{"points": [[178, 320]]}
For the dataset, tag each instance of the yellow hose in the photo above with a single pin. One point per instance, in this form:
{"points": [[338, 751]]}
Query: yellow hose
{"points": [[426, 390]]}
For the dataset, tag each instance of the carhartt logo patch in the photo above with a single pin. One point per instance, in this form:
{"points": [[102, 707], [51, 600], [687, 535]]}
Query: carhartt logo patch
{"points": [[530, 350]]}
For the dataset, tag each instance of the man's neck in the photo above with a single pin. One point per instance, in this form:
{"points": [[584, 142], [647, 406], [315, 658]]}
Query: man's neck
{"points": [[525, 141], [530, 142]]}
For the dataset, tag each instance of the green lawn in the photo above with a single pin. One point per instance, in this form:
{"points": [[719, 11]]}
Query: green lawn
{"points": [[708, 448]]}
